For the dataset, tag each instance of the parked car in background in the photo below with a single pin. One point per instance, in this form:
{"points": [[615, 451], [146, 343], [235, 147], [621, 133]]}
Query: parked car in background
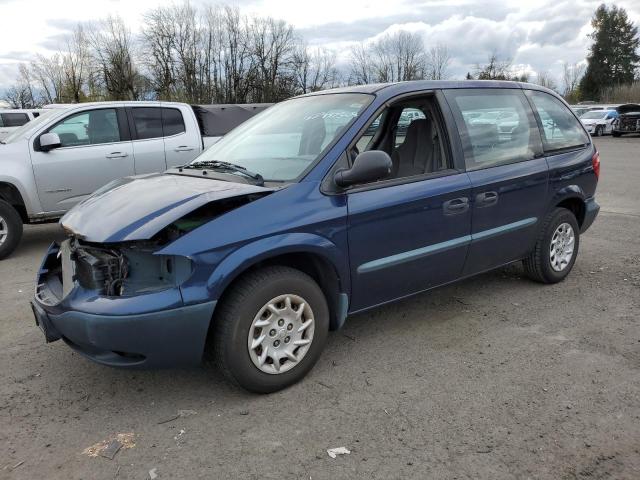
{"points": [[599, 122], [286, 226], [69, 151], [628, 120], [11, 120]]}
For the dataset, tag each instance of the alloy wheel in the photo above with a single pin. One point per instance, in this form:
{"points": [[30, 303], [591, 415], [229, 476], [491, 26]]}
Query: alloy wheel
{"points": [[562, 247], [4, 230]]}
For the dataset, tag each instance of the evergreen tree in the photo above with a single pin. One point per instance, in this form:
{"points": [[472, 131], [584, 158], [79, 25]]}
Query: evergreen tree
{"points": [[613, 57]]}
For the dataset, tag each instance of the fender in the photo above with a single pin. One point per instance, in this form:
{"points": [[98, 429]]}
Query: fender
{"points": [[31, 204], [248, 255], [243, 258], [569, 191]]}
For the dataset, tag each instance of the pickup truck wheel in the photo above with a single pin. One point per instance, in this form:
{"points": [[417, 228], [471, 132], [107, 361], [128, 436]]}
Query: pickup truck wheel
{"points": [[556, 248], [270, 329], [10, 229]]}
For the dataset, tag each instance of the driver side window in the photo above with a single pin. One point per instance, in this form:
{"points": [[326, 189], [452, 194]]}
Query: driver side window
{"points": [[91, 127], [411, 134]]}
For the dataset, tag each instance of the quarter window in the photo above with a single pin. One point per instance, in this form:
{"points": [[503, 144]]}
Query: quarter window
{"points": [[172, 122], [496, 127], [91, 127], [560, 128], [14, 119]]}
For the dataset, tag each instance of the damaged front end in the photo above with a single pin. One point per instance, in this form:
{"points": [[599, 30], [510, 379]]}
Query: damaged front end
{"points": [[113, 293]]}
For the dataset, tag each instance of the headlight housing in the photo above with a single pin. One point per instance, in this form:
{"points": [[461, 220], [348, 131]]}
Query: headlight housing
{"points": [[127, 269]]}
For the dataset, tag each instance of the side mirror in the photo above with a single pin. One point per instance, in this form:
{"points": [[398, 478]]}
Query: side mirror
{"points": [[367, 167], [49, 141]]}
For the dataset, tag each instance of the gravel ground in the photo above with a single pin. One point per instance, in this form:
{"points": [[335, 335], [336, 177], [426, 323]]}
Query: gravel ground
{"points": [[495, 378]]}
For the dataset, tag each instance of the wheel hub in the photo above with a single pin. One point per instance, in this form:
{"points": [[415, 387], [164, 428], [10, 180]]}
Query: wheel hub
{"points": [[281, 334], [562, 246], [4, 230]]}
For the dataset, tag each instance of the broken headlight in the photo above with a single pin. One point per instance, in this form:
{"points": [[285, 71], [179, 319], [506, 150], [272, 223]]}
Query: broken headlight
{"points": [[127, 270]]}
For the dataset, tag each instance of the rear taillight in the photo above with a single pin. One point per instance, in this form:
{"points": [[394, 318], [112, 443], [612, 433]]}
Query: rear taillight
{"points": [[595, 160]]}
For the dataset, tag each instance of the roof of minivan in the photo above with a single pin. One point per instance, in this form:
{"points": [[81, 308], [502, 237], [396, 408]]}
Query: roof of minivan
{"points": [[416, 85]]}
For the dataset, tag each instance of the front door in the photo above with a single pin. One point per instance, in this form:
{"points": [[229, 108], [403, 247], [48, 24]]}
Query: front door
{"points": [[95, 149], [407, 238], [409, 232], [508, 173]]}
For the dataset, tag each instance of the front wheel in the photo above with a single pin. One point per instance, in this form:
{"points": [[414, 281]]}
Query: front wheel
{"points": [[598, 132], [270, 329], [10, 229], [556, 248]]}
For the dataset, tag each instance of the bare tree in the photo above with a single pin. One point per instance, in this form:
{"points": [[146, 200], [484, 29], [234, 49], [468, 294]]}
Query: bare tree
{"points": [[361, 71], [393, 58], [399, 56], [111, 45], [76, 65], [495, 69], [48, 77], [546, 80], [158, 41], [314, 69], [571, 76], [438, 60]]}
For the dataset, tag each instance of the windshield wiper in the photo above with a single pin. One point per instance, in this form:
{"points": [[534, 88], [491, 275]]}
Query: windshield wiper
{"points": [[226, 167]]}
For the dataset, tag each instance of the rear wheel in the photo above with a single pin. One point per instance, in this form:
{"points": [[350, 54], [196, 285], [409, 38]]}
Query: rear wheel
{"points": [[556, 248], [270, 329], [10, 229]]}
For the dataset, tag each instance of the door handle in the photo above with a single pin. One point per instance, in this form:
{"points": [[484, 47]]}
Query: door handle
{"points": [[456, 206], [486, 199], [117, 155], [184, 148]]}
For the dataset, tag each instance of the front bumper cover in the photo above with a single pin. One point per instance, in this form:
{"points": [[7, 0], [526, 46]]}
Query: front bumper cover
{"points": [[140, 335]]}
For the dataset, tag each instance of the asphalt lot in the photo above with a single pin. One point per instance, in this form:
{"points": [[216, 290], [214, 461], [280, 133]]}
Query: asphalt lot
{"points": [[495, 378]]}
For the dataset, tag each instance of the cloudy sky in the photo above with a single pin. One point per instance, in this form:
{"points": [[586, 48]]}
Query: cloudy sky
{"points": [[536, 35]]}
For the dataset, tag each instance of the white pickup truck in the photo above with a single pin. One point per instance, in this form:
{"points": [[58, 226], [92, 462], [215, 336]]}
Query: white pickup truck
{"points": [[55, 161]]}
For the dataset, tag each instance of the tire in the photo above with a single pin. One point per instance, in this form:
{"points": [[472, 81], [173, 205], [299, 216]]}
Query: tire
{"points": [[615, 134], [539, 264], [598, 132], [238, 313], [10, 229]]}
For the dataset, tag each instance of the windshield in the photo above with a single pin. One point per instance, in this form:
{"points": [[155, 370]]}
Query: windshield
{"points": [[26, 129], [594, 115], [281, 142]]}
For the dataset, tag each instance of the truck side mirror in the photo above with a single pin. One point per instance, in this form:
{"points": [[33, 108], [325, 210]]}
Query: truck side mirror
{"points": [[367, 167], [49, 141]]}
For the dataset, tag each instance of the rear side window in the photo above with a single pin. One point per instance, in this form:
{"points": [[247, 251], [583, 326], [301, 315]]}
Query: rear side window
{"points": [[14, 119], [172, 122], [560, 128], [148, 122], [496, 126]]}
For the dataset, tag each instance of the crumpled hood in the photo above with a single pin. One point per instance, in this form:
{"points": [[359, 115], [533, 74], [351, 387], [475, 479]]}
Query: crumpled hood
{"points": [[628, 108], [136, 208]]}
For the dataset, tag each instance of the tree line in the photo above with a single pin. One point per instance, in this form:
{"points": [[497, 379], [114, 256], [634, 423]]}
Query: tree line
{"points": [[215, 54]]}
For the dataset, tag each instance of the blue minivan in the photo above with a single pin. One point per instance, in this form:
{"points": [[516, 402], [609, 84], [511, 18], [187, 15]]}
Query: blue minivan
{"points": [[320, 207]]}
